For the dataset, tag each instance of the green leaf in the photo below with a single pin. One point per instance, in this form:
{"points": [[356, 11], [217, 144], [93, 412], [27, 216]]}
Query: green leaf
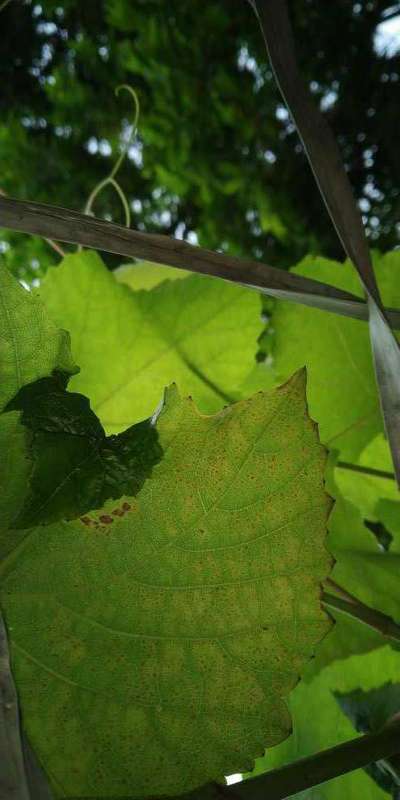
{"points": [[389, 513], [31, 347], [146, 275], [363, 490], [342, 391], [362, 566], [369, 712], [365, 569], [15, 469], [376, 497], [348, 637], [75, 466], [153, 650], [200, 332], [319, 723]]}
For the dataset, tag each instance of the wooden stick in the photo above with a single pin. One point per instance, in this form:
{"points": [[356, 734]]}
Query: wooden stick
{"points": [[71, 226]]}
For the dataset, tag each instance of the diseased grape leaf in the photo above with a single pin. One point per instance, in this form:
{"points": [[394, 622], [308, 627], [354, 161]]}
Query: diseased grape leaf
{"points": [[75, 467], [348, 637], [15, 469], [200, 332], [319, 723], [342, 391], [31, 347], [153, 649]]}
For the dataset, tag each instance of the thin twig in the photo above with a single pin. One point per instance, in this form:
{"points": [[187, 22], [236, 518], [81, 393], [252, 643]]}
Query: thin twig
{"points": [[99, 188], [56, 247], [377, 473], [71, 226], [382, 623], [341, 591], [110, 179]]}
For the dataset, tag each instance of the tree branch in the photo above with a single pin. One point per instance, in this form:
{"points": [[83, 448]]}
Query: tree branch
{"points": [[13, 783], [70, 226], [21, 778], [54, 246], [313, 770]]}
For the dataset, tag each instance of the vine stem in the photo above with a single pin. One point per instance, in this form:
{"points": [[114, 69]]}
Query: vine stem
{"points": [[377, 473], [100, 186], [348, 604], [70, 226], [110, 179], [54, 245], [313, 770]]}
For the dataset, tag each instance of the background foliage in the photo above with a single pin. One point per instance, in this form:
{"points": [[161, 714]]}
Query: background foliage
{"points": [[217, 157]]}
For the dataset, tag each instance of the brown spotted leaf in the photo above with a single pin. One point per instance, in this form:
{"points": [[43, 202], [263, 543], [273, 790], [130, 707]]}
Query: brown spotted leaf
{"points": [[154, 642]]}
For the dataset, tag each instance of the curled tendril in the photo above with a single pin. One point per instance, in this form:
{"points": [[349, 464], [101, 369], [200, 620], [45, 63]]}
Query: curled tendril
{"points": [[110, 179]]}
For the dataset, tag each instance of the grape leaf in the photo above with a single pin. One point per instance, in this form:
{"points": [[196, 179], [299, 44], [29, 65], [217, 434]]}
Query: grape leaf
{"points": [[146, 275], [342, 391], [15, 469], [75, 467], [64, 456], [200, 332], [362, 566], [319, 722], [30, 344], [30, 347], [348, 637], [153, 649], [377, 498], [388, 512], [363, 490], [370, 711]]}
